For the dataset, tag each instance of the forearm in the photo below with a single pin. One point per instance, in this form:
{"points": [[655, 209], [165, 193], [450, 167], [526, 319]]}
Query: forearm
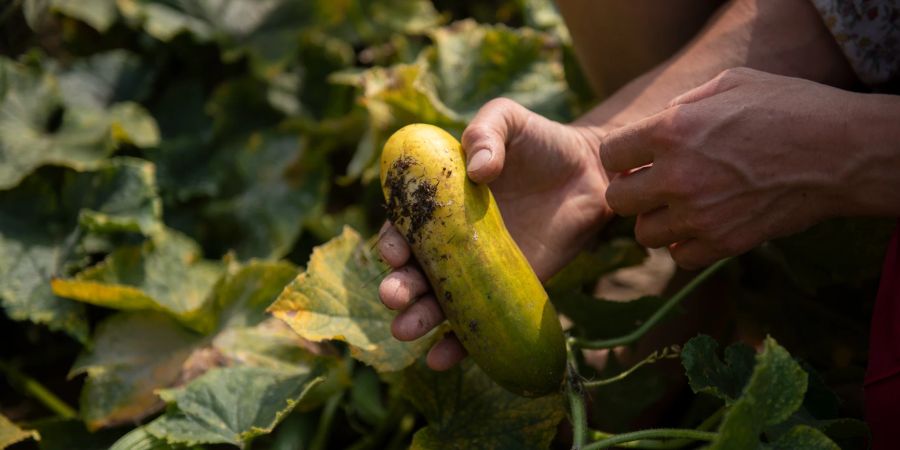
{"points": [[615, 41], [778, 36]]}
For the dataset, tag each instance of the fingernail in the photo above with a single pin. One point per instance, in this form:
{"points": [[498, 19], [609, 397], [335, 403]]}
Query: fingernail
{"points": [[479, 160]]}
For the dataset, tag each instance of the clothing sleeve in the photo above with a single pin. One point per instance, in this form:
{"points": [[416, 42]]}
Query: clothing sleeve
{"points": [[868, 32]]}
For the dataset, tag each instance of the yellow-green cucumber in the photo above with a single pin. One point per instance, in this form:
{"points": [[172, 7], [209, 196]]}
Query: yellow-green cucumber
{"points": [[489, 293]]}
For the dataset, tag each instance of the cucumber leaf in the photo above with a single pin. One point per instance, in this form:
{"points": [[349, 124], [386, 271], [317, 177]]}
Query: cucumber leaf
{"points": [[337, 298]]}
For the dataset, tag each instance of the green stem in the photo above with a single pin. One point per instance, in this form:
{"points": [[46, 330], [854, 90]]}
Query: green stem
{"points": [[320, 440], [656, 317], [575, 394], [36, 390], [666, 353], [644, 435], [708, 424]]}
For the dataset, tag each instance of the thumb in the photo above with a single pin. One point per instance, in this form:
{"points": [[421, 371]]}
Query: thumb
{"points": [[485, 139]]}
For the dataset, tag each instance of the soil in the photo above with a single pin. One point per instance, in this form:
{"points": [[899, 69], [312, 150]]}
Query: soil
{"points": [[409, 208]]}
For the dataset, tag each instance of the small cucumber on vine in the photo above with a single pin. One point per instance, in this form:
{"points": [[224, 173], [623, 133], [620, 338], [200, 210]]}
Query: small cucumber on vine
{"points": [[491, 297]]}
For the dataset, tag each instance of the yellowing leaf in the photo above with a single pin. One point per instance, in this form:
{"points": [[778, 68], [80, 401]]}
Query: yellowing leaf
{"points": [[166, 273], [337, 298], [11, 434]]}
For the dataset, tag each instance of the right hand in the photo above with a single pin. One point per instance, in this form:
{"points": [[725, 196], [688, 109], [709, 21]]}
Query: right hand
{"points": [[550, 186]]}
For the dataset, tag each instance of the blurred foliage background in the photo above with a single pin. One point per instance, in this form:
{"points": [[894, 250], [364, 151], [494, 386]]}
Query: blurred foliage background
{"points": [[167, 166]]}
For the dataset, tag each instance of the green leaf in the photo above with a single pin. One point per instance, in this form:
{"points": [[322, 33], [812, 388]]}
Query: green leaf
{"points": [[269, 184], [465, 409], [37, 128], [40, 229], [166, 273], [803, 437], [106, 78], [11, 434], [231, 405], [99, 14], [774, 391], [337, 298], [133, 354], [587, 267], [596, 318], [475, 63], [707, 373]]}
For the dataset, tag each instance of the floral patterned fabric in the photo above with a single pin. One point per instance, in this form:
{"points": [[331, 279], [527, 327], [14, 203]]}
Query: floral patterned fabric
{"points": [[868, 32]]}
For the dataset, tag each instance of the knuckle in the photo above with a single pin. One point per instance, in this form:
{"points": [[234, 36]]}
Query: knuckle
{"points": [[674, 127]]}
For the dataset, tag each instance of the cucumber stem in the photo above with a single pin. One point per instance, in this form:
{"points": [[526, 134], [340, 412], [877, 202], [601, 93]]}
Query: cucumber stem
{"points": [[656, 317], [575, 395], [36, 390], [650, 438]]}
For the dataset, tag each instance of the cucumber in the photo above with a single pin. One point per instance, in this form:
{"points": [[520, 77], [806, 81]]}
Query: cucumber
{"points": [[490, 295]]}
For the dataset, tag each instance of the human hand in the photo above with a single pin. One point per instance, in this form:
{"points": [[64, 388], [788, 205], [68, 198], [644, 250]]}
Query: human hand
{"points": [[549, 184], [747, 157]]}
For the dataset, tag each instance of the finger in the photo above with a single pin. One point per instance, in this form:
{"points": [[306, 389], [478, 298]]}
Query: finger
{"points": [[635, 193], [660, 228], [402, 286], [393, 248], [418, 319], [447, 353], [694, 254], [724, 81], [485, 139], [629, 147]]}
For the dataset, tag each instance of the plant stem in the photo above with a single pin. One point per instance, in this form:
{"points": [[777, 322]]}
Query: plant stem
{"points": [[575, 394], [657, 433], [320, 440], [708, 424], [36, 390], [666, 353], [656, 317]]}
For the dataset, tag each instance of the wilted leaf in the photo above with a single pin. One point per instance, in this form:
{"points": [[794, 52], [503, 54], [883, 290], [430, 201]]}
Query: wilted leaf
{"points": [[475, 63], [774, 391], [232, 405], [707, 373], [40, 228], [166, 273], [37, 128], [337, 298], [11, 434], [803, 437], [466, 410], [469, 65], [133, 355]]}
